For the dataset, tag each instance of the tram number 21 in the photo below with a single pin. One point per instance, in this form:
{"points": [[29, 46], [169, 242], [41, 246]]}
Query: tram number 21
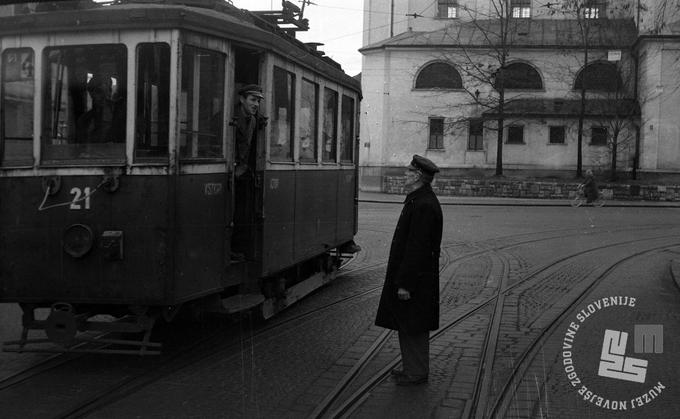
{"points": [[80, 195]]}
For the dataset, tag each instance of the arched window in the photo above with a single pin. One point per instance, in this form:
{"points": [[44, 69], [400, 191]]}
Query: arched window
{"points": [[521, 76], [438, 76], [602, 76]]}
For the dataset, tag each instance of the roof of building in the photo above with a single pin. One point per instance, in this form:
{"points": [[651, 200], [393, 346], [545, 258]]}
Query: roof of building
{"points": [[529, 33], [561, 108]]}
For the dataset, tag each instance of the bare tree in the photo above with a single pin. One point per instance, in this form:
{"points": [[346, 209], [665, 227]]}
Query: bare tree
{"points": [[482, 49], [583, 11]]}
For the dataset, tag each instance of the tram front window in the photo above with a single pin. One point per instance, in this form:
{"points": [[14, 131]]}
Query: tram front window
{"points": [[84, 103], [201, 104], [16, 105]]}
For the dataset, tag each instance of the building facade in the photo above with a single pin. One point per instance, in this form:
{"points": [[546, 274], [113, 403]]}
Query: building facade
{"points": [[440, 77]]}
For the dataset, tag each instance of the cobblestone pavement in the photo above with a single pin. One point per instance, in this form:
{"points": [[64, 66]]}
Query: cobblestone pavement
{"points": [[563, 377], [547, 254]]}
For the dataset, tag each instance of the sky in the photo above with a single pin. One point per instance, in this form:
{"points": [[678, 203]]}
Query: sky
{"points": [[338, 24]]}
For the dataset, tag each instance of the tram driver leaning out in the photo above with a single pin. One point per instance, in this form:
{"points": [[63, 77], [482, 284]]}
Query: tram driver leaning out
{"points": [[409, 302], [247, 121]]}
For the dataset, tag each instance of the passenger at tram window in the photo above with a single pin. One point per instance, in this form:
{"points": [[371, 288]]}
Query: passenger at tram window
{"points": [[247, 120], [103, 122]]}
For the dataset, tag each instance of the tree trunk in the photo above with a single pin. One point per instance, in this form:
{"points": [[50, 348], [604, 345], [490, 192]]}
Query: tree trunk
{"points": [[579, 141], [499, 137], [582, 111], [636, 159], [615, 144], [499, 148]]}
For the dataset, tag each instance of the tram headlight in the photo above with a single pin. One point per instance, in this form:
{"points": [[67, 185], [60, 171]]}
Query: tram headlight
{"points": [[78, 240]]}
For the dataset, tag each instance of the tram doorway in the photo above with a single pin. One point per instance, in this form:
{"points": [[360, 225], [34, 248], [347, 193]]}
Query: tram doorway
{"points": [[248, 152]]}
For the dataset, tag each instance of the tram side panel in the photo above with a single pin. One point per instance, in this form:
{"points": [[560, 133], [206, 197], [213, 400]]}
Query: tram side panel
{"points": [[201, 247], [279, 220], [126, 262], [346, 218], [302, 216], [315, 212]]}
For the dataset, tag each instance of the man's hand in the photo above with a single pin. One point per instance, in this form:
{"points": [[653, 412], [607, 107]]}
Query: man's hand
{"points": [[403, 294], [241, 168]]}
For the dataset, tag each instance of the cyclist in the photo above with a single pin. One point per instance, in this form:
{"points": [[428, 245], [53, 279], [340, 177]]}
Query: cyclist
{"points": [[590, 189]]}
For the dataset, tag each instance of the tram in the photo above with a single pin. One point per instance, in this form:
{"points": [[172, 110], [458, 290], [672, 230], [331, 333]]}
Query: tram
{"points": [[122, 204]]}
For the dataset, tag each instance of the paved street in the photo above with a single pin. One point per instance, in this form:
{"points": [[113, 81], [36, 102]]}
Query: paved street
{"points": [[513, 280]]}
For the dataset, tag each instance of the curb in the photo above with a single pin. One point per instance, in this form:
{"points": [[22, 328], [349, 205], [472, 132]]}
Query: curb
{"points": [[527, 204], [675, 271]]}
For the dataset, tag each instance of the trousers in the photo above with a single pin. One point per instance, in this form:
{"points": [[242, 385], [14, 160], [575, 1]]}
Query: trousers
{"points": [[415, 353]]}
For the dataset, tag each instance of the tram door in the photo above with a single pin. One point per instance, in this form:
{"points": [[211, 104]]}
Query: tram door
{"points": [[248, 155]]}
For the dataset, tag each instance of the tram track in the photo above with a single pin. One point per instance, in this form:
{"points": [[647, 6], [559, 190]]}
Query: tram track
{"points": [[180, 359], [510, 386], [485, 246], [480, 398]]}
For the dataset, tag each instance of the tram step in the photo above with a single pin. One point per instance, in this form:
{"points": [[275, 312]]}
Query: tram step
{"points": [[241, 302]]}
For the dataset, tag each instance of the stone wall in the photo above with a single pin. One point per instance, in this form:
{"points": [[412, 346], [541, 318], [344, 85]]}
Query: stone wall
{"points": [[508, 188]]}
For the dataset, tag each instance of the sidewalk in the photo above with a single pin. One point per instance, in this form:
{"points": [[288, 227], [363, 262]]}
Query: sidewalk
{"points": [[381, 197]]}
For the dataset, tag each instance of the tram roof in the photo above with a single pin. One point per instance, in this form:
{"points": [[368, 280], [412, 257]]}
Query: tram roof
{"points": [[214, 17]]}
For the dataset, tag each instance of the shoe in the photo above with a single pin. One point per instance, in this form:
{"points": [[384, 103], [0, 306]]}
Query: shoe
{"points": [[397, 372], [410, 380]]}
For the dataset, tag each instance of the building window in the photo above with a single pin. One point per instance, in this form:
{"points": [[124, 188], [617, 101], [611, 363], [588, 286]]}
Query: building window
{"points": [[309, 121], [16, 105], [599, 76], [153, 101], [591, 12], [346, 141], [521, 8], [436, 141], [594, 9], [438, 76], [521, 76], [476, 138], [557, 135], [515, 134], [447, 9], [330, 125], [598, 136]]}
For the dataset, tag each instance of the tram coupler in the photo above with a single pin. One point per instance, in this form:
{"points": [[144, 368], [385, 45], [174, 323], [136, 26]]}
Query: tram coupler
{"points": [[71, 332]]}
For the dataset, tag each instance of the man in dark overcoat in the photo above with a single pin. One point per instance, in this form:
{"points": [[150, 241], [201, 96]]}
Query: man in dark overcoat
{"points": [[409, 302]]}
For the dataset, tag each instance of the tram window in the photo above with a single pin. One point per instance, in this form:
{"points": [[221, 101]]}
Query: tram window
{"points": [[308, 120], [153, 101], [347, 129], [18, 84], [84, 111], [201, 103], [330, 125], [281, 146]]}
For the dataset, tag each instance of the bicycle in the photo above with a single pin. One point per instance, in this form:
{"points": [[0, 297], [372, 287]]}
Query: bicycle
{"points": [[581, 199]]}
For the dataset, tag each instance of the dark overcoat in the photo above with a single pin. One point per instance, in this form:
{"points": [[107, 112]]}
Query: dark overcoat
{"points": [[414, 265]]}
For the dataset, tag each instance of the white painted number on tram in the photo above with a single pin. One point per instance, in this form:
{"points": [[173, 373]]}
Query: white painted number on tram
{"points": [[79, 196]]}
